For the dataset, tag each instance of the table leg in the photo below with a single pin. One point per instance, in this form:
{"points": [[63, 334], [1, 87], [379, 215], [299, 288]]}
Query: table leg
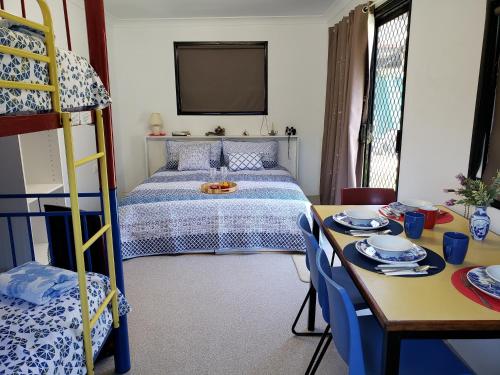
{"points": [[391, 353], [311, 315]]}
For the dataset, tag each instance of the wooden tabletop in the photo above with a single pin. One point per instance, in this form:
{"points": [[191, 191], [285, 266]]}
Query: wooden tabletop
{"points": [[422, 303]]}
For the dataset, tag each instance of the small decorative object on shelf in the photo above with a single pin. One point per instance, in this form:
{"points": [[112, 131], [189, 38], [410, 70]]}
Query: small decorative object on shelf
{"points": [[245, 133], [184, 133], [476, 193], [217, 131], [273, 131], [156, 123]]}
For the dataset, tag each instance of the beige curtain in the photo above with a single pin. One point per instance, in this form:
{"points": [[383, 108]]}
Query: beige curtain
{"points": [[345, 92]]}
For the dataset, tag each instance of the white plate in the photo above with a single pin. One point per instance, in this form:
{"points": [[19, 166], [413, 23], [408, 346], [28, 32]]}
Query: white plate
{"points": [[493, 272], [414, 255], [480, 280], [379, 222], [388, 243]]}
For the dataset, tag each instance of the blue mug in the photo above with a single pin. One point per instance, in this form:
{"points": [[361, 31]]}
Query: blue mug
{"points": [[455, 246], [414, 224]]}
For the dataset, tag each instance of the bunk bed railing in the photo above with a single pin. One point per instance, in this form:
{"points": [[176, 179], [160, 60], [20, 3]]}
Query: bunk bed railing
{"points": [[48, 30], [8, 219]]}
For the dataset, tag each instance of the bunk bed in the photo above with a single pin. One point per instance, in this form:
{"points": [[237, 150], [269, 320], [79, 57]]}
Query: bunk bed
{"points": [[81, 318]]}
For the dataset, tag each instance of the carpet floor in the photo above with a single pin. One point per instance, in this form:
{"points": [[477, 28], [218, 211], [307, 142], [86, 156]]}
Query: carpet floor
{"points": [[211, 314]]}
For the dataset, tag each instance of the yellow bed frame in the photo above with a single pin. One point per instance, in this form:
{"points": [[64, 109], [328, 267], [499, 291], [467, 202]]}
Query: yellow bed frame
{"points": [[72, 164]]}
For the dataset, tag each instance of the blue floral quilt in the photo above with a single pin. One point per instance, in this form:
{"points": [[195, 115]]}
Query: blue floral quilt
{"points": [[80, 86], [168, 214], [47, 338]]}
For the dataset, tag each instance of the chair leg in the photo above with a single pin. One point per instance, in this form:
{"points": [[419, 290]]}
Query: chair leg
{"points": [[318, 347], [308, 295], [323, 351]]}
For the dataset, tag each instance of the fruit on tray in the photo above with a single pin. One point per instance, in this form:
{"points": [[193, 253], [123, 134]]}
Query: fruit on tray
{"points": [[225, 185], [214, 186]]}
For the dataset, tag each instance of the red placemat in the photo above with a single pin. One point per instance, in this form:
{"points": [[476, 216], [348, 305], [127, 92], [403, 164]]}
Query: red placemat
{"points": [[444, 217], [456, 280]]}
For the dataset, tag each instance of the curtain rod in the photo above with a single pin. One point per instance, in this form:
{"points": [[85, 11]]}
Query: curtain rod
{"points": [[371, 4]]}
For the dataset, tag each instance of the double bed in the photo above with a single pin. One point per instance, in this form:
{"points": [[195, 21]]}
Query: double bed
{"points": [[168, 214]]}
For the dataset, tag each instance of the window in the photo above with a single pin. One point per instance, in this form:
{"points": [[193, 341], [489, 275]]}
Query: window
{"points": [[221, 78], [484, 158], [382, 134]]}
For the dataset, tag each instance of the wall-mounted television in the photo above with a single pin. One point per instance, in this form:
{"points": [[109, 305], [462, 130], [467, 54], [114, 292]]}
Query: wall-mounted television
{"points": [[221, 78]]}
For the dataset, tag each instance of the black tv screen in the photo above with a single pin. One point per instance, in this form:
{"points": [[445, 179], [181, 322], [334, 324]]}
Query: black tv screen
{"points": [[221, 78]]}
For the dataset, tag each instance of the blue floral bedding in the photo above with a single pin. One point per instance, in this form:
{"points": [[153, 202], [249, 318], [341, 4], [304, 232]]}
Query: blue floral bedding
{"points": [[47, 338], [168, 214], [80, 86]]}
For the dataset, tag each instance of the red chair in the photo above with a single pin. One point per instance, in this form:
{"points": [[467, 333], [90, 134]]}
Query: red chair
{"points": [[362, 196]]}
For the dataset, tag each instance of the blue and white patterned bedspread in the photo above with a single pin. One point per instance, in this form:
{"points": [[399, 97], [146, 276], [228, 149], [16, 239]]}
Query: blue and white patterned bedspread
{"points": [[47, 338], [168, 214], [80, 86]]}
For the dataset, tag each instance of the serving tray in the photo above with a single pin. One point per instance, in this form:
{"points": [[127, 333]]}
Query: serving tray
{"points": [[206, 188]]}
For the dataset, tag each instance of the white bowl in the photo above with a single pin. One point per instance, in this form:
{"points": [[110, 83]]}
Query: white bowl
{"points": [[415, 204], [493, 272], [361, 215], [389, 244]]}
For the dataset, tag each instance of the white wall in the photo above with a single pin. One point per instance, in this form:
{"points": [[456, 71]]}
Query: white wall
{"points": [[144, 81]]}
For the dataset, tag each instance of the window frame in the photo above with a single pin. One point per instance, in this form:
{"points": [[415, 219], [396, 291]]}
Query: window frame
{"points": [[486, 91], [383, 14]]}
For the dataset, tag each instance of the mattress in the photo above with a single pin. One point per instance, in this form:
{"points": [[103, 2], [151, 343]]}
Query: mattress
{"points": [[48, 338], [168, 214], [80, 86]]}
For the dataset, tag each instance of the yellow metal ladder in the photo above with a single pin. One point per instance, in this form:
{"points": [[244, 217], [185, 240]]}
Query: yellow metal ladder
{"points": [[80, 246]]}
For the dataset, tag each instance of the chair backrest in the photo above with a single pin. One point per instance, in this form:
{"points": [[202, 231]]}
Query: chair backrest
{"points": [[361, 196], [343, 319], [312, 248]]}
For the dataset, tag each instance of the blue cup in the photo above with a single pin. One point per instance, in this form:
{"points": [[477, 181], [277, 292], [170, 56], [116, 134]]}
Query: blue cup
{"points": [[455, 246], [414, 224]]}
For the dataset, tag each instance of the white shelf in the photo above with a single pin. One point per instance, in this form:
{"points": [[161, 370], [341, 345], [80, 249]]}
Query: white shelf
{"points": [[41, 189], [202, 137]]}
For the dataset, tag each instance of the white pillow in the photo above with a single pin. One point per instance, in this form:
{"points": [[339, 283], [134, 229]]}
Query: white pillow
{"points": [[194, 157], [245, 161]]}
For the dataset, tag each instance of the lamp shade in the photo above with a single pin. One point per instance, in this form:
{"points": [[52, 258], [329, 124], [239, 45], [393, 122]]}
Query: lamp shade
{"points": [[155, 119]]}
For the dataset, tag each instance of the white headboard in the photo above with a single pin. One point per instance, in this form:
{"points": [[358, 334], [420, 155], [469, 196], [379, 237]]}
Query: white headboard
{"points": [[288, 156]]}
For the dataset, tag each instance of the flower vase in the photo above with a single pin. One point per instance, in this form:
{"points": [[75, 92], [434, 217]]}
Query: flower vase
{"points": [[479, 224]]}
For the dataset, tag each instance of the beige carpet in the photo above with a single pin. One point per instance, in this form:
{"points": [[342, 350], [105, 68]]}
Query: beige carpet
{"points": [[227, 314]]}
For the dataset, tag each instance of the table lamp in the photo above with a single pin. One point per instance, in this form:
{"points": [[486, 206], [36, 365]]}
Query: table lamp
{"points": [[156, 123]]}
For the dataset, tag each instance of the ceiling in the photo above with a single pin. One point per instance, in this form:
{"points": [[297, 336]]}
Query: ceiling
{"points": [[215, 8]]}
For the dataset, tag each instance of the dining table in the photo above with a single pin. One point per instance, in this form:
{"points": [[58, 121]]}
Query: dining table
{"points": [[427, 307]]}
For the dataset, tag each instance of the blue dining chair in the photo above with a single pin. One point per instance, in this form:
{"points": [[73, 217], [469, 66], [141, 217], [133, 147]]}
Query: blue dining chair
{"points": [[359, 338], [339, 274]]}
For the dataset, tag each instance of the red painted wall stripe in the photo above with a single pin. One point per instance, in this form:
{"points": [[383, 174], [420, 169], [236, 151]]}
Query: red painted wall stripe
{"points": [[66, 21], [98, 53], [23, 8]]}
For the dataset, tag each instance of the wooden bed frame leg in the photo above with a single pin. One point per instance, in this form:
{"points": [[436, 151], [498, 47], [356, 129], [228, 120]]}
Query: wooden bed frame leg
{"points": [[122, 349]]}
